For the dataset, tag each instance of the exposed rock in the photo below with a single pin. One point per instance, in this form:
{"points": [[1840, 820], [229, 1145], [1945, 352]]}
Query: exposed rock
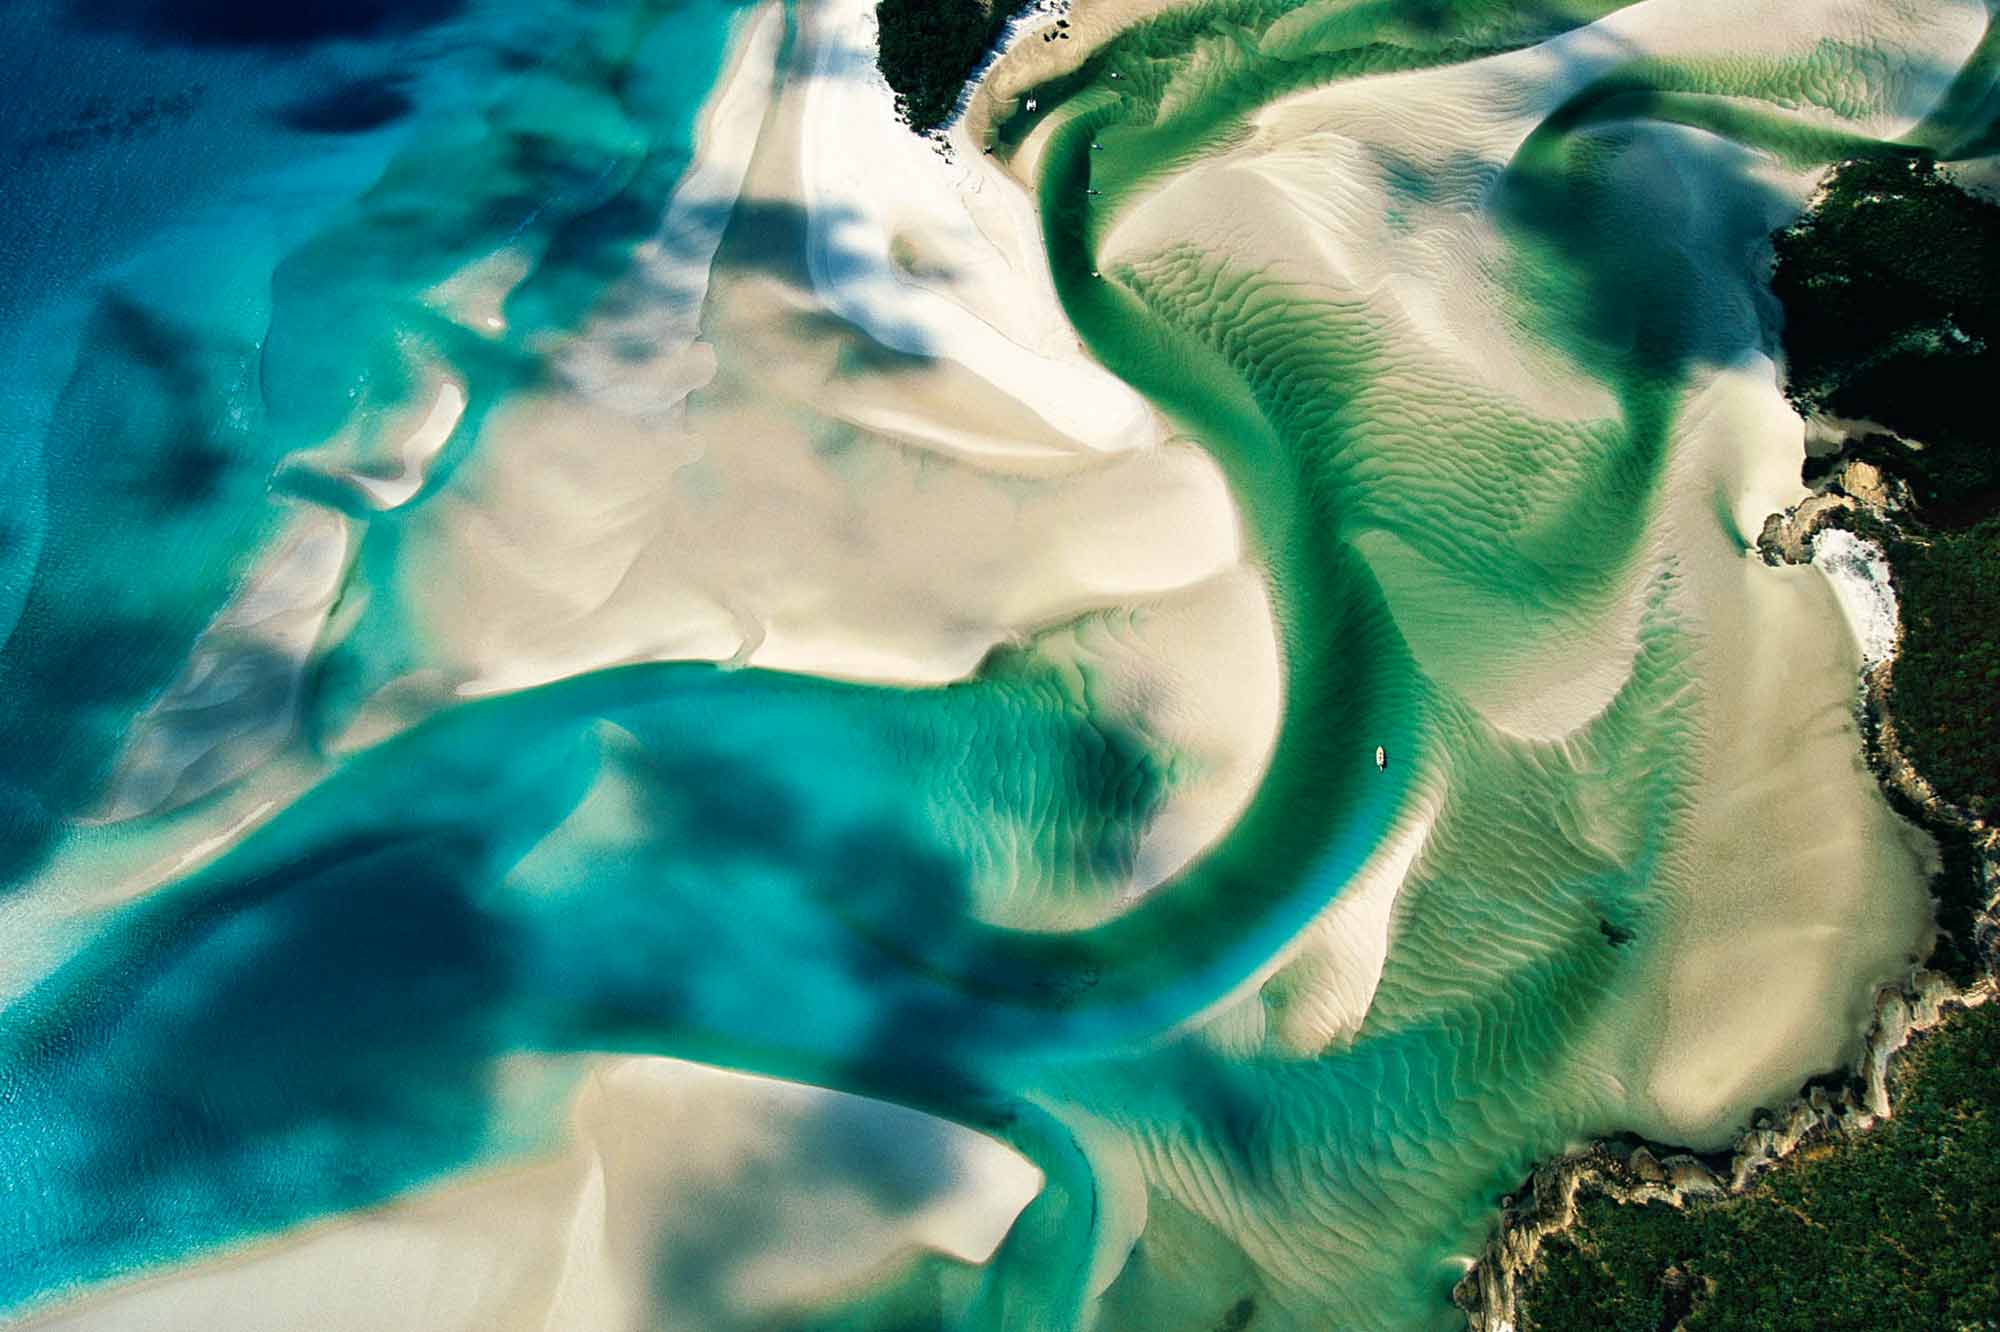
{"points": [[1787, 537], [1865, 483]]}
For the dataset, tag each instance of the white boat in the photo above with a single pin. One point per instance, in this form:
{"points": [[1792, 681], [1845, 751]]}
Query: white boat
{"points": [[1381, 758]]}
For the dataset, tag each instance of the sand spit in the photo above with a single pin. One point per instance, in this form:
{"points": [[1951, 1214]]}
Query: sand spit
{"points": [[236, 702]]}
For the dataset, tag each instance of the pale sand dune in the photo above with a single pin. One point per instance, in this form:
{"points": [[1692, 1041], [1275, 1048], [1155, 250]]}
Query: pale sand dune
{"points": [[684, 1199], [575, 538]]}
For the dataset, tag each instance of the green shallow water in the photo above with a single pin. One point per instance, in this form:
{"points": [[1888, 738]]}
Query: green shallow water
{"points": [[779, 873]]}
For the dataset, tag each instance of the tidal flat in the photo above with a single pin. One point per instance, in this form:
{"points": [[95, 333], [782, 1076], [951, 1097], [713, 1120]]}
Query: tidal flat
{"points": [[635, 697]]}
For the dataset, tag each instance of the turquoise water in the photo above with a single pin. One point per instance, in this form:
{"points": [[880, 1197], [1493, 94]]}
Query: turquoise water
{"points": [[233, 220], [219, 221]]}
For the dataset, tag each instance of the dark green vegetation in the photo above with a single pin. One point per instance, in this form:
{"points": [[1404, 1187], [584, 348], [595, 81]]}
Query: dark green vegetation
{"points": [[1890, 315], [1947, 676], [1895, 1232], [929, 48], [1961, 896], [1891, 289]]}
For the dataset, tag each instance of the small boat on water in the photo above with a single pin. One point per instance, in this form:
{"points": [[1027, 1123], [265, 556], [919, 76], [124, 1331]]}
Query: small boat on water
{"points": [[1382, 758]]}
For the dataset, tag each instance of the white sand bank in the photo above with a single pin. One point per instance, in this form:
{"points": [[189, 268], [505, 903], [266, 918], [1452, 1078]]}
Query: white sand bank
{"points": [[1800, 888], [987, 301], [236, 701], [418, 448]]}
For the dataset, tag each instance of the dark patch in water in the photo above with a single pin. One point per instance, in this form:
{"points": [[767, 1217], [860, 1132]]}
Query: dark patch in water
{"points": [[99, 123], [1239, 1315], [353, 108], [286, 23], [1615, 935]]}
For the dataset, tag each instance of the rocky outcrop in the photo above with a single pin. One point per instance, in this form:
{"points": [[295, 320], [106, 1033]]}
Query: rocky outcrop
{"points": [[1852, 487], [1787, 537]]}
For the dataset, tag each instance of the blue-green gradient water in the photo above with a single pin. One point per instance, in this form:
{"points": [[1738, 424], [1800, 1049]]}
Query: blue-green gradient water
{"points": [[219, 230]]}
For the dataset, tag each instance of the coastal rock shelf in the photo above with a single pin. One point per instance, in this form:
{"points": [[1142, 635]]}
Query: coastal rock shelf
{"points": [[1646, 1174]]}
